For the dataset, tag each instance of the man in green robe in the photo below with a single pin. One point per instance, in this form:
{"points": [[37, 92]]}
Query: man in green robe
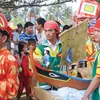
{"points": [[95, 83]]}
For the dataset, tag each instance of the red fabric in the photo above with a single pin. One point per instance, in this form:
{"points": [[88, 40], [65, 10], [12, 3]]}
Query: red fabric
{"points": [[52, 25], [4, 24], [25, 65], [24, 82], [8, 75], [97, 25], [91, 30], [24, 77]]}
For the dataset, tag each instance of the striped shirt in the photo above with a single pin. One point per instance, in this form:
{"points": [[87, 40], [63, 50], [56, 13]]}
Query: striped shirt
{"points": [[25, 37]]}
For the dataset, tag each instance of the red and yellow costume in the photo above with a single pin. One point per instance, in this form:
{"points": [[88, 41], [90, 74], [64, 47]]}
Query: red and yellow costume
{"points": [[8, 75], [90, 49]]}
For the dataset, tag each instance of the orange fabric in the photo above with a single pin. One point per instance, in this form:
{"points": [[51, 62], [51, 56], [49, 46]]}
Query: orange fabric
{"points": [[9, 82]]}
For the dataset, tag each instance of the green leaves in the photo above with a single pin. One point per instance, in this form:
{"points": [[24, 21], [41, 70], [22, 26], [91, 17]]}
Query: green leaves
{"points": [[58, 1], [98, 1]]}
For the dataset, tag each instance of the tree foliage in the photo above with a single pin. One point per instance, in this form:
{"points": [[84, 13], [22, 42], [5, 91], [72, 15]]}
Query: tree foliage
{"points": [[15, 4], [63, 11], [98, 1]]}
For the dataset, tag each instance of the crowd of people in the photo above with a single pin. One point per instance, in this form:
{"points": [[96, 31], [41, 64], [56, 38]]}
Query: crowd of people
{"points": [[16, 73]]}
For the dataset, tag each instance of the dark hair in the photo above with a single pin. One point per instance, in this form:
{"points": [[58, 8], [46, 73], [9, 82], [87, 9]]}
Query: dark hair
{"points": [[58, 23], [27, 24], [41, 21], [5, 33], [66, 27], [21, 45], [19, 25], [30, 41], [48, 52]]}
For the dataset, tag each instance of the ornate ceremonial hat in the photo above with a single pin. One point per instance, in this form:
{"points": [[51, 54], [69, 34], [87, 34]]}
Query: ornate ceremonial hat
{"points": [[97, 25], [91, 30], [4, 24]]}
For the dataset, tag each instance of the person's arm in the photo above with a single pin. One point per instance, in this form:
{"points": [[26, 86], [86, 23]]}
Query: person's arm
{"points": [[15, 40], [93, 85], [10, 83]]}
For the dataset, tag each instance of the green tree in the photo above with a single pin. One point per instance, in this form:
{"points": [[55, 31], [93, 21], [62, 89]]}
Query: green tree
{"points": [[62, 11]]}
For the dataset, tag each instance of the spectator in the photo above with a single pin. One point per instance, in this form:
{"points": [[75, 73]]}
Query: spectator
{"points": [[28, 32], [16, 37], [40, 30]]}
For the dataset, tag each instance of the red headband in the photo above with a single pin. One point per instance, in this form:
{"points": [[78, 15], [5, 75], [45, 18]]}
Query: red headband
{"points": [[51, 25], [90, 30], [4, 24], [97, 25]]}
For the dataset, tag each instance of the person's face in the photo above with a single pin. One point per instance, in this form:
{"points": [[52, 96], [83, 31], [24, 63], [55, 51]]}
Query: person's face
{"points": [[91, 35], [51, 34], [19, 29], [33, 45], [38, 26], [2, 40], [25, 48], [29, 29], [96, 35]]}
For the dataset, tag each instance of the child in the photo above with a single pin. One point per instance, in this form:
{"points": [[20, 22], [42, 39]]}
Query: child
{"points": [[32, 43], [25, 73], [94, 85]]}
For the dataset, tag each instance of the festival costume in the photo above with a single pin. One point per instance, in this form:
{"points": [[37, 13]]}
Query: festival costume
{"points": [[96, 71], [90, 52], [90, 48], [54, 60], [8, 75], [96, 67], [9, 82], [24, 77]]}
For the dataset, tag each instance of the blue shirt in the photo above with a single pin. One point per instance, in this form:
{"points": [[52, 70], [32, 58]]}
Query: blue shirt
{"points": [[25, 37]]}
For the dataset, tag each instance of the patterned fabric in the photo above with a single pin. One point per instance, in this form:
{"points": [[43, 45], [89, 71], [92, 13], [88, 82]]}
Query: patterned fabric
{"points": [[90, 50], [90, 53], [9, 82], [24, 37]]}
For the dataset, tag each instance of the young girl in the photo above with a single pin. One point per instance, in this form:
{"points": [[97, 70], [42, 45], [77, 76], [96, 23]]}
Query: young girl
{"points": [[24, 72], [32, 44]]}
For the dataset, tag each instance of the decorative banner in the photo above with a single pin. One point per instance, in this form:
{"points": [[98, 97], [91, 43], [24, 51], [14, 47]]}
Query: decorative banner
{"points": [[74, 38], [88, 9]]}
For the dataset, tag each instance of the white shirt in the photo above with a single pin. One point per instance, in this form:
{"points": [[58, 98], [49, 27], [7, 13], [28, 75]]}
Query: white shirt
{"points": [[41, 37], [53, 46], [16, 38]]}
